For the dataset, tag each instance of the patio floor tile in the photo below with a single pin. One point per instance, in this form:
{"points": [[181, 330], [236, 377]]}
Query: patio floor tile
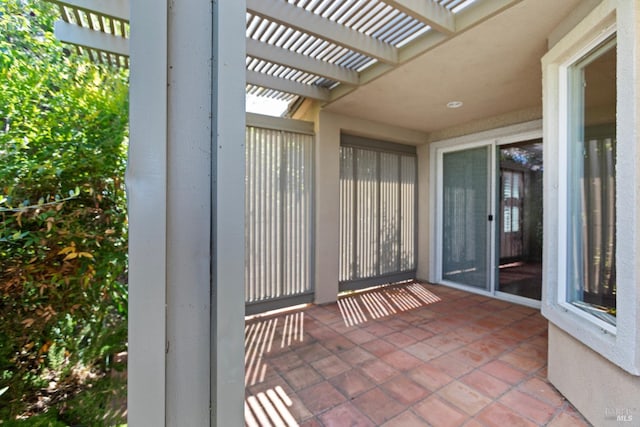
{"points": [[345, 415], [529, 406], [401, 360], [356, 356], [423, 351], [418, 332], [451, 366], [498, 415], [312, 352], [330, 366], [542, 390], [404, 390], [406, 419], [470, 357], [523, 363], [567, 419], [378, 371], [457, 360], [379, 347], [338, 344], [359, 336], [438, 413], [301, 377], [352, 383], [321, 397], [464, 397], [429, 377], [485, 383], [378, 406], [400, 340], [504, 371]]}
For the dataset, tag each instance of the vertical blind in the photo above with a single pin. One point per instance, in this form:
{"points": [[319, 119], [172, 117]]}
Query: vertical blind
{"points": [[377, 213], [278, 213]]}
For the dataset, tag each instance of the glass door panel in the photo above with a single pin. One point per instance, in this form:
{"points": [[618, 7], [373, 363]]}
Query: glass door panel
{"points": [[465, 251], [519, 232]]}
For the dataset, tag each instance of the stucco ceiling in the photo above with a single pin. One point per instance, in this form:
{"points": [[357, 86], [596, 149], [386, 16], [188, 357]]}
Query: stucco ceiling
{"points": [[494, 69]]}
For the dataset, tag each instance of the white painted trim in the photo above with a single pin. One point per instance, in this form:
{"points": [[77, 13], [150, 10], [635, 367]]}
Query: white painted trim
{"points": [[492, 227], [428, 11], [146, 181], [86, 37], [503, 134], [289, 86], [517, 299], [189, 91], [118, 9], [296, 17], [502, 296], [280, 123], [227, 204], [288, 58]]}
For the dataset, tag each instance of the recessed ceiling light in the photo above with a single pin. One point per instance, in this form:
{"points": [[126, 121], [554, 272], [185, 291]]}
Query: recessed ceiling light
{"points": [[454, 104]]}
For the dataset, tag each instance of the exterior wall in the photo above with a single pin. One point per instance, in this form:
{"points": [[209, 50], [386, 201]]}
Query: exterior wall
{"points": [[329, 126], [424, 230], [597, 388]]}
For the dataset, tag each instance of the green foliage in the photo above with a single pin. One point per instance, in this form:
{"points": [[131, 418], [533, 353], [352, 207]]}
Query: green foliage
{"points": [[99, 406], [48, 419], [63, 231]]}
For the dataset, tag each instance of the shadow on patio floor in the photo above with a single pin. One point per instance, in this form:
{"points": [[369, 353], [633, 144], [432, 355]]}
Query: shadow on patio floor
{"points": [[409, 355]]}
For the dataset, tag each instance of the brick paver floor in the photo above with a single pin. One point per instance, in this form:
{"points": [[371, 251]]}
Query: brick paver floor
{"points": [[409, 355]]}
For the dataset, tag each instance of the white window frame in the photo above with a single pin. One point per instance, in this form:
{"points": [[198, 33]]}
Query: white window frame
{"points": [[620, 343]]}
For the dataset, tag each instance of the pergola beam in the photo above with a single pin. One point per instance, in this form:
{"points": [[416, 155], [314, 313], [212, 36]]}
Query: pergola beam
{"points": [[429, 12], [307, 22], [86, 37], [118, 9], [288, 86], [287, 58]]}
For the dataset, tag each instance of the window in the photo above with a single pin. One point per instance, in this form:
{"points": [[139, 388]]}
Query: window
{"points": [[591, 182]]}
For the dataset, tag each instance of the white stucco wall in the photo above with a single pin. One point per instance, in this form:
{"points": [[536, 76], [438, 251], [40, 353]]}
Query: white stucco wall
{"points": [[597, 388], [424, 229]]}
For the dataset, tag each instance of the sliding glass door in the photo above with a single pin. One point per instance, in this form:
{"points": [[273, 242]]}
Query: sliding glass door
{"points": [[489, 228]]}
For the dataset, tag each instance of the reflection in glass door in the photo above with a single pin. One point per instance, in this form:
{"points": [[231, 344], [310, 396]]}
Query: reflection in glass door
{"points": [[465, 209], [519, 232]]}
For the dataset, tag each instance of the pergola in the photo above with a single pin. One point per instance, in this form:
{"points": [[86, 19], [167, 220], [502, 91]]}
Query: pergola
{"points": [[301, 49]]}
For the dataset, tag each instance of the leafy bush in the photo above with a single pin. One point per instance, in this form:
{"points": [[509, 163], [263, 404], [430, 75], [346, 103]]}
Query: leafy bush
{"points": [[63, 232]]}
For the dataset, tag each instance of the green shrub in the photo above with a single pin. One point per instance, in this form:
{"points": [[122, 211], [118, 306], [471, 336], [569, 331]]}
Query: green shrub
{"points": [[63, 231]]}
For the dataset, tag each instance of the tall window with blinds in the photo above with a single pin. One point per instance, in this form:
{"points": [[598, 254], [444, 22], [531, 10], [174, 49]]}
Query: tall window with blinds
{"points": [[592, 182], [278, 218], [377, 212]]}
